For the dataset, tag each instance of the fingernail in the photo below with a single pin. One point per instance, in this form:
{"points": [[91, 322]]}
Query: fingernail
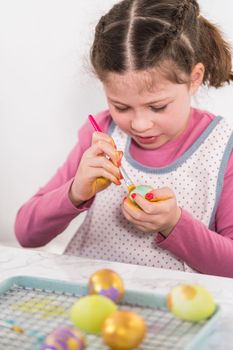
{"points": [[149, 196], [118, 183], [121, 176], [133, 195], [118, 163], [115, 146]]}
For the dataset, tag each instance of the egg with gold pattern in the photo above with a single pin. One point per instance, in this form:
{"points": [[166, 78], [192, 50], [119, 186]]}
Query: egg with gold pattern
{"points": [[107, 283], [124, 330], [65, 338], [191, 302]]}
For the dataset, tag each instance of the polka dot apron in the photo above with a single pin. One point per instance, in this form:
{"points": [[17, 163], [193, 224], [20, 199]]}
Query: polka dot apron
{"points": [[196, 178]]}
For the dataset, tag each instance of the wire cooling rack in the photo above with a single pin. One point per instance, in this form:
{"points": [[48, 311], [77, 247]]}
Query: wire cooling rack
{"points": [[40, 305]]}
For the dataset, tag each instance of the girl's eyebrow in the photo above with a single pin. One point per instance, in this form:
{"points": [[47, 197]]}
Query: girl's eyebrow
{"points": [[115, 101], [157, 101], [148, 103]]}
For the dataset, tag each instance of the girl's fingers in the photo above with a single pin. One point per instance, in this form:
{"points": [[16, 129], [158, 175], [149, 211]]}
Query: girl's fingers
{"points": [[135, 213], [160, 194], [94, 173], [144, 224], [101, 136], [148, 207], [104, 148], [157, 216], [103, 162]]}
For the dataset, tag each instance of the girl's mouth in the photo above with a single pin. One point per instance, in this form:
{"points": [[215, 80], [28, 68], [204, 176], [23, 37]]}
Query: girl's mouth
{"points": [[146, 140]]}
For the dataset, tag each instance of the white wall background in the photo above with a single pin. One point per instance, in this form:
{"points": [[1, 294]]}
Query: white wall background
{"points": [[47, 91]]}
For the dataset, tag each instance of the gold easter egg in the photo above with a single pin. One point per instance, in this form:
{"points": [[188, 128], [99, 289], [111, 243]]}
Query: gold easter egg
{"points": [[123, 330], [107, 283]]}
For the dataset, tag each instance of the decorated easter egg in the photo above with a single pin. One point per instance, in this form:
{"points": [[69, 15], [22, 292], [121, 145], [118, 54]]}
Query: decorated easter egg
{"points": [[124, 330], [89, 312], [191, 302], [107, 283], [64, 338], [141, 189]]}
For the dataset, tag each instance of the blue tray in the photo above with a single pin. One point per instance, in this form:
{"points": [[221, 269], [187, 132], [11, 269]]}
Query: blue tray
{"points": [[40, 305]]}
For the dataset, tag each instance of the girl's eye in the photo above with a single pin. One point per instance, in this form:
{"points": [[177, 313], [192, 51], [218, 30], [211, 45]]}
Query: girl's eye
{"points": [[121, 109], [158, 109]]}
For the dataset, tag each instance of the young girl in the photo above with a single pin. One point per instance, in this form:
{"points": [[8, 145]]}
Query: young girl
{"points": [[151, 56]]}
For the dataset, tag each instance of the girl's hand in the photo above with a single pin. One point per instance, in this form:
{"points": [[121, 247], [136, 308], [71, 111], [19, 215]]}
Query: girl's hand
{"points": [[161, 216], [98, 168]]}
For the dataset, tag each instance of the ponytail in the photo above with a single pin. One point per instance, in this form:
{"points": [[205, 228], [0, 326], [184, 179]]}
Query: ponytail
{"points": [[215, 53]]}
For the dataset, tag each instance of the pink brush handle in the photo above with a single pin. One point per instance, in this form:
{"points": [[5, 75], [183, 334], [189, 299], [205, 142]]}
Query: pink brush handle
{"points": [[94, 124]]}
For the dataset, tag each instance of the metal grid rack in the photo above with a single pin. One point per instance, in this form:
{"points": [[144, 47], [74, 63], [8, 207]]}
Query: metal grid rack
{"points": [[39, 311]]}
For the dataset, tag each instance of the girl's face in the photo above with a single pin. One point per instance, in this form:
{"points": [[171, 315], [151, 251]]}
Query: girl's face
{"points": [[148, 107]]}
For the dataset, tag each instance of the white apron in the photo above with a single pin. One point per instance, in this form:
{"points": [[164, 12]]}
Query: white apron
{"points": [[196, 178]]}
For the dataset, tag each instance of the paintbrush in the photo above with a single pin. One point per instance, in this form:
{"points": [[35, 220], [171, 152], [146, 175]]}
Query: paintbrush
{"points": [[129, 183]]}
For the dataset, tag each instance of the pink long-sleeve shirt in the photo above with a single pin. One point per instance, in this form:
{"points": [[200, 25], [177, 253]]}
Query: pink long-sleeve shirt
{"points": [[209, 251]]}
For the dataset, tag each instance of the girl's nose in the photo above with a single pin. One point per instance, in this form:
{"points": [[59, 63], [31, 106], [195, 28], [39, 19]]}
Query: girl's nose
{"points": [[141, 124]]}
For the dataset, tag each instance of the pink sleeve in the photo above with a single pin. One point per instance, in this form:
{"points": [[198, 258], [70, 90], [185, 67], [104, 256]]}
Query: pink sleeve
{"points": [[50, 210], [208, 251]]}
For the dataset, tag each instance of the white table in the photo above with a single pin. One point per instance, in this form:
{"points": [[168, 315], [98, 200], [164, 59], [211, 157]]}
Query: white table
{"points": [[15, 262]]}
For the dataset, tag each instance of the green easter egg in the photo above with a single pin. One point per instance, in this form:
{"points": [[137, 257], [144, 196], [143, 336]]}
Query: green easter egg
{"points": [[191, 302], [142, 190], [89, 312]]}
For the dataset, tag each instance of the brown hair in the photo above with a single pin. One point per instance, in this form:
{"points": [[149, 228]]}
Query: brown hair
{"points": [[169, 34]]}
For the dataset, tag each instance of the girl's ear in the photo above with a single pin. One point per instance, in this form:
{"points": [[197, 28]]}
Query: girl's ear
{"points": [[196, 78]]}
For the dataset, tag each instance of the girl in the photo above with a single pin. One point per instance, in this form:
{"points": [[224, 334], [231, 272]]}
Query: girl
{"points": [[151, 56]]}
